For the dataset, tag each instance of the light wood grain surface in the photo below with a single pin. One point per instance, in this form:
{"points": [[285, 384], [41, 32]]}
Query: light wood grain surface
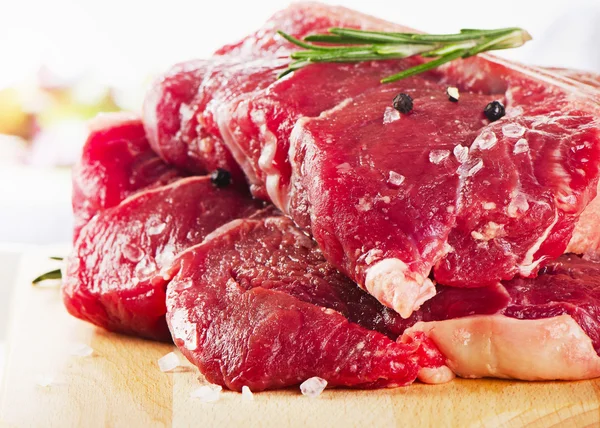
{"points": [[120, 385]]}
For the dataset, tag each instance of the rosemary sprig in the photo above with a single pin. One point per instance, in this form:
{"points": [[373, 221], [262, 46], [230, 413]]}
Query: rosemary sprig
{"points": [[350, 45]]}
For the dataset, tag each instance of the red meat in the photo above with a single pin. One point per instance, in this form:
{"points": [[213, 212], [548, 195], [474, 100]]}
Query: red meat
{"points": [[115, 273], [115, 163], [257, 305]]}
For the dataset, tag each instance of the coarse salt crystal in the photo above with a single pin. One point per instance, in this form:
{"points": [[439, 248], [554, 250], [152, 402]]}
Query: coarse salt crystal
{"points": [[390, 115], [166, 256], [186, 112], [568, 200], [372, 255], [395, 179], [489, 206], [133, 253], [44, 381], [81, 350], [156, 230], [363, 205], [485, 141], [477, 235], [207, 393], [437, 156], [447, 249], [513, 130], [144, 271], [514, 112], [247, 394], [475, 168], [521, 146], [168, 362], [145, 268], [493, 229], [461, 153], [313, 387], [344, 167], [517, 204]]}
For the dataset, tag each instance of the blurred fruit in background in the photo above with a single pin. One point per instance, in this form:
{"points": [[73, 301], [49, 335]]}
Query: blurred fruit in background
{"points": [[14, 119], [43, 119]]}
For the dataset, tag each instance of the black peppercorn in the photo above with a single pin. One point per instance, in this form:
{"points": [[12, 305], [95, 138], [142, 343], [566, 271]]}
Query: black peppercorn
{"points": [[220, 178], [494, 111], [403, 103]]}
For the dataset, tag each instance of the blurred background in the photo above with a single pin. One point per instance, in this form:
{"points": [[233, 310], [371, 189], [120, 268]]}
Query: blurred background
{"points": [[62, 61]]}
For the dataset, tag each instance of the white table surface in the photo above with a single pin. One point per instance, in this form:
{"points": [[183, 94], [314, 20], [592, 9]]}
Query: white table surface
{"points": [[11, 263]]}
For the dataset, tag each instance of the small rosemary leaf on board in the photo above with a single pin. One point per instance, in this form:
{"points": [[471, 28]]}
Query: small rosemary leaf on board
{"points": [[53, 274], [60, 259]]}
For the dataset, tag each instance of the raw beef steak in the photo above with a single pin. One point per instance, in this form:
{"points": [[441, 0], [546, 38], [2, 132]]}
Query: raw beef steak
{"points": [[115, 163], [547, 327], [257, 305], [186, 124], [438, 190], [115, 275], [171, 119]]}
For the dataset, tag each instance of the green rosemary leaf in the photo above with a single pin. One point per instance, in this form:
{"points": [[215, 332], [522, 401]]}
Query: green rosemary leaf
{"points": [[514, 38], [445, 50], [403, 51], [334, 39], [302, 44], [424, 67], [374, 36]]}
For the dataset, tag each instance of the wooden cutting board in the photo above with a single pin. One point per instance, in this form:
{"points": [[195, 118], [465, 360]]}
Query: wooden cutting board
{"points": [[120, 385]]}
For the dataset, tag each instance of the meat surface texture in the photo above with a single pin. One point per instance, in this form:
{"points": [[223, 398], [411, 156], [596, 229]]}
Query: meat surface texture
{"points": [[399, 202], [171, 120], [115, 272], [183, 112], [257, 305], [130, 224], [540, 328], [116, 162]]}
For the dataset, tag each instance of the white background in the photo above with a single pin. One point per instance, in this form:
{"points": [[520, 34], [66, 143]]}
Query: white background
{"points": [[123, 40]]}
